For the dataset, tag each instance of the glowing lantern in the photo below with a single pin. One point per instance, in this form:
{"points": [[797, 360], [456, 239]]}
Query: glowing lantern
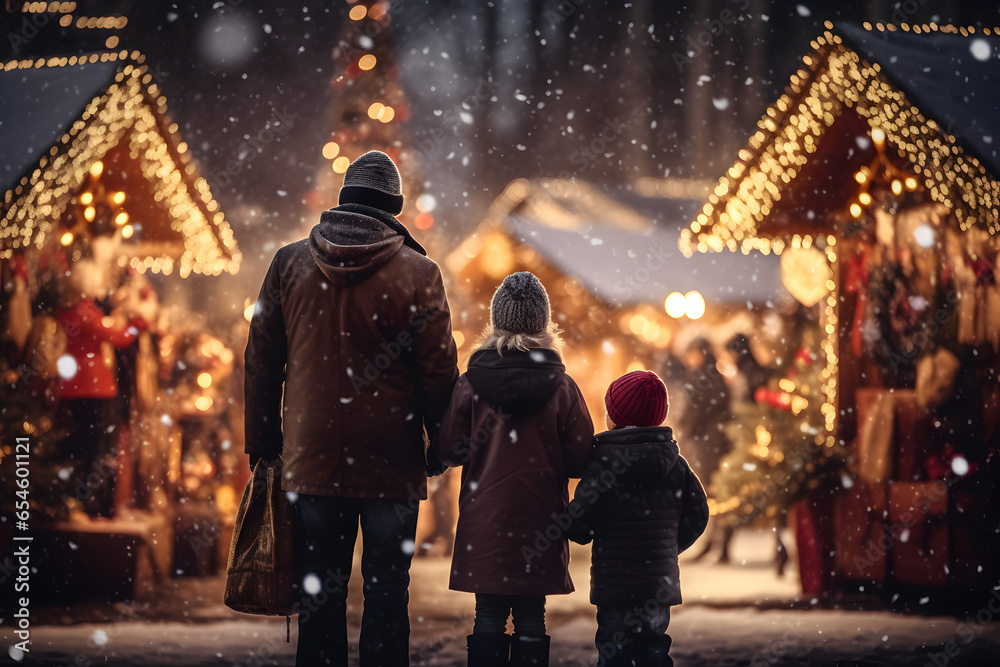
{"points": [[804, 273]]}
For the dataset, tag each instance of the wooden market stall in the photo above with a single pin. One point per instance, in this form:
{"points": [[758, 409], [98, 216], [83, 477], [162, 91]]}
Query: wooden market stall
{"points": [[876, 179], [100, 195]]}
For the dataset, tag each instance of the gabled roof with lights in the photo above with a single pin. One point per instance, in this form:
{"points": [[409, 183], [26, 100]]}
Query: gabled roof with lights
{"points": [[932, 91], [60, 116]]}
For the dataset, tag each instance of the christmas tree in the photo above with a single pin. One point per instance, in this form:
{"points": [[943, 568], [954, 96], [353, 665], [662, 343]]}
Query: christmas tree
{"points": [[368, 114], [779, 449]]}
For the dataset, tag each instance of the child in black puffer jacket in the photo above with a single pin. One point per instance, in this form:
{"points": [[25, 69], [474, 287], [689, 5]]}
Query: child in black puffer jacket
{"points": [[642, 505]]}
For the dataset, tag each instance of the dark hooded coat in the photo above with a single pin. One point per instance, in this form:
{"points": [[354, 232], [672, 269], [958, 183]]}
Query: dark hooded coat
{"points": [[642, 506], [354, 323], [519, 427]]}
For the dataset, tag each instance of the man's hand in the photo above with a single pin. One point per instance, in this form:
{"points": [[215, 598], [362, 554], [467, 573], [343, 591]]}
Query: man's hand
{"points": [[434, 466]]}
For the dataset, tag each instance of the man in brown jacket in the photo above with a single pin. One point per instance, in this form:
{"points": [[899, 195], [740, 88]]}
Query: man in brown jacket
{"points": [[354, 323]]}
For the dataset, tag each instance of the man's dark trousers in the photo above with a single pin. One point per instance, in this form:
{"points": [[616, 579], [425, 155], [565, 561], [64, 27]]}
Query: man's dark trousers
{"points": [[326, 532]]}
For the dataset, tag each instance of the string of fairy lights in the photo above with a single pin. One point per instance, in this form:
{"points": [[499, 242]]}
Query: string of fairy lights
{"points": [[833, 79], [381, 111], [132, 108]]}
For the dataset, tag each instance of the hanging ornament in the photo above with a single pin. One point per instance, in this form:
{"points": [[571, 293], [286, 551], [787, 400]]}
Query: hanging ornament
{"points": [[804, 273]]}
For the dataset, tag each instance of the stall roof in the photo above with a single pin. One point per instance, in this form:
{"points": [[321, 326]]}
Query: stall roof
{"points": [[953, 78], [60, 116], [622, 256], [793, 177], [36, 107]]}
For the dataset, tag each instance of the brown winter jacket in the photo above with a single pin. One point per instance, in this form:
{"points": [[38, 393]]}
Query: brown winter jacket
{"points": [[519, 426], [354, 322]]}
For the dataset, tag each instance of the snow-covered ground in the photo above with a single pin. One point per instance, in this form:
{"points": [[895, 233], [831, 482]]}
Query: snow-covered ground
{"points": [[729, 618]]}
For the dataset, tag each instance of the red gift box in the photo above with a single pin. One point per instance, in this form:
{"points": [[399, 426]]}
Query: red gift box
{"points": [[862, 541], [913, 436], [918, 524]]}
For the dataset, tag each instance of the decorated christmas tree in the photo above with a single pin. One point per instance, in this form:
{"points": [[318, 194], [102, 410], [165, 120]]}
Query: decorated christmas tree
{"points": [[779, 451], [367, 114]]}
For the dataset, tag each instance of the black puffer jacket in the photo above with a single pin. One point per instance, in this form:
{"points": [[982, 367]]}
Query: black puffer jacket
{"points": [[641, 504]]}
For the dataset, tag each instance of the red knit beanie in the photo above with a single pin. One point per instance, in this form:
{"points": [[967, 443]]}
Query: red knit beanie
{"points": [[638, 398]]}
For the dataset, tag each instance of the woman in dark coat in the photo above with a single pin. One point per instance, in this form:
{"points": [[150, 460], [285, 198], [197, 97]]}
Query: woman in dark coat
{"points": [[519, 427]]}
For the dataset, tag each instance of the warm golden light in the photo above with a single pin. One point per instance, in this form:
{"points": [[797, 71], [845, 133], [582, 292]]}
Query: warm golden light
{"points": [[86, 198], [366, 62], [865, 199], [878, 136], [248, 311], [331, 149], [118, 197], [203, 403], [675, 305], [96, 168], [66, 238], [637, 324], [375, 109], [897, 187], [205, 380], [386, 114], [358, 12], [121, 218], [423, 221], [341, 164], [89, 213], [459, 338], [860, 177], [127, 231], [694, 305], [911, 183], [855, 211]]}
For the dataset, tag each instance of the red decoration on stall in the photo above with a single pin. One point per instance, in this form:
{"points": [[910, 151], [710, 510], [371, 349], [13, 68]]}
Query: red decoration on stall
{"points": [[776, 399], [856, 282], [811, 518], [944, 466], [983, 268]]}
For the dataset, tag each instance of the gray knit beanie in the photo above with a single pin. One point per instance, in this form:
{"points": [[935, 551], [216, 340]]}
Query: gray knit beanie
{"points": [[520, 304], [373, 180]]}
